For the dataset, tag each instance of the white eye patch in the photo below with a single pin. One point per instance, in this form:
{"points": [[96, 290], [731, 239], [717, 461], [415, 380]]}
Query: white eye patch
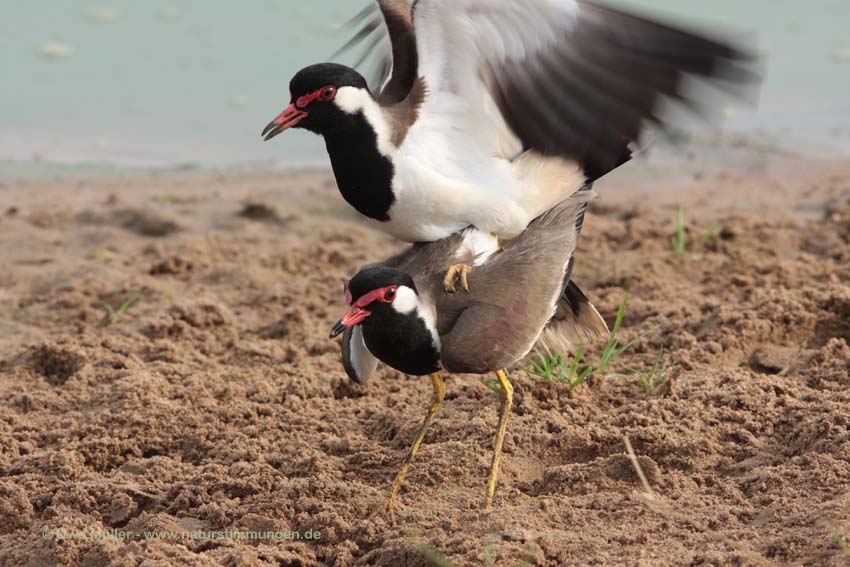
{"points": [[405, 300]]}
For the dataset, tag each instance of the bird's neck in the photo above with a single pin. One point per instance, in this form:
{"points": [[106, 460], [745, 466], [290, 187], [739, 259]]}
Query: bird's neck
{"points": [[363, 173], [404, 343]]}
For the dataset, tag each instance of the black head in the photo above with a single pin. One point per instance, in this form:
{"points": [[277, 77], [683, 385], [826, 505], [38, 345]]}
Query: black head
{"points": [[313, 91], [377, 277], [385, 306], [378, 294]]}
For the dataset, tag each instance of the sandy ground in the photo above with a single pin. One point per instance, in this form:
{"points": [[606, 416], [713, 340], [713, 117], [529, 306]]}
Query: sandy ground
{"points": [[217, 402]]}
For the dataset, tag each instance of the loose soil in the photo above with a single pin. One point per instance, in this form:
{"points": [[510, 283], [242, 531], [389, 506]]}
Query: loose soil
{"points": [[215, 401]]}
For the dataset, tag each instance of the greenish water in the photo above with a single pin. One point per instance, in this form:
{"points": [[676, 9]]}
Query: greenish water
{"points": [[194, 81]]}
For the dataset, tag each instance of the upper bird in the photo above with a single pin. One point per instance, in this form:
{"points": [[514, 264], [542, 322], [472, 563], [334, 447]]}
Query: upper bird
{"points": [[495, 111]]}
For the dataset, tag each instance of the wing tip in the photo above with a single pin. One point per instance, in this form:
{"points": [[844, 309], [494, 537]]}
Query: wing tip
{"points": [[578, 322]]}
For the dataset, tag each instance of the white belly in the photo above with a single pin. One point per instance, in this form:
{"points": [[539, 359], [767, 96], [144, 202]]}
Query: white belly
{"points": [[446, 179], [431, 205], [442, 186]]}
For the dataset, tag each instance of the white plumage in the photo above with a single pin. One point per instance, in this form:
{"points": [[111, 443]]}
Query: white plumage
{"points": [[457, 165], [460, 42], [497, 110]]}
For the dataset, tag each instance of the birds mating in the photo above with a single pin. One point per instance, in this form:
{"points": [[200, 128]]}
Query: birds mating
{"points": [[400, 315], [489, 114]]}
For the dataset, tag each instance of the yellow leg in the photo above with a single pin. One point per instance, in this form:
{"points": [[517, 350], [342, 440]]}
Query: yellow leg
{"points": [[436, 402], [507, 399], [453, 274]]}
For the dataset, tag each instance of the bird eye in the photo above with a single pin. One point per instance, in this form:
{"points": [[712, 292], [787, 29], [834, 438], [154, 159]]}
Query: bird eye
{"points": [[328, 93], [389, 295]]}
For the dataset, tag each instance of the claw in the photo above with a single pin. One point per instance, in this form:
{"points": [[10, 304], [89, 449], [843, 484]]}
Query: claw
{"points": [[453, 274]]}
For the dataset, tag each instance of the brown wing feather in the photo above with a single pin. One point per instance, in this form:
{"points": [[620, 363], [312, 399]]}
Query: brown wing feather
{"points": [[512, 297], [405, 66], [576, 322], [398, 69]]}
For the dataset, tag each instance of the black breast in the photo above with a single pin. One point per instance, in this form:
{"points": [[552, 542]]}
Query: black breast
{"points": [[405, 345], [364, 175]]}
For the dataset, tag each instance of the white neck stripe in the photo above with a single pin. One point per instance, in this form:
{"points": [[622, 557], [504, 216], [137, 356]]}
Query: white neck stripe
{"points": [[352, 100]]}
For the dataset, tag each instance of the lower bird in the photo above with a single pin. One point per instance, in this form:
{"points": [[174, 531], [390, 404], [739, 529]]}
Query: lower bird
{"points": [[520, 294]]}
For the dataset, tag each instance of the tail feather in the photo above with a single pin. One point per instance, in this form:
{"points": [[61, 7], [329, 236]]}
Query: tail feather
{"points": [[576, 321]]}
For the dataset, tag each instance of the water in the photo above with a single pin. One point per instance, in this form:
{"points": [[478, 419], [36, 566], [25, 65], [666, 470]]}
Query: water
{"points": [[194, 81]]}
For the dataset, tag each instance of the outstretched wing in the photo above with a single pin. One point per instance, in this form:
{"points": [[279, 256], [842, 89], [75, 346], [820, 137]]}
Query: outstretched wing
{"points": [[396, 60], [571, 78]]}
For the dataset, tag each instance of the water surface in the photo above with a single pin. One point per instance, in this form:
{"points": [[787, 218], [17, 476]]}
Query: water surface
{"points": [[192, 81]]}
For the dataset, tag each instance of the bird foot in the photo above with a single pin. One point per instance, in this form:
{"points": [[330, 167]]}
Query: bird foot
{"points": [[458, 272]]}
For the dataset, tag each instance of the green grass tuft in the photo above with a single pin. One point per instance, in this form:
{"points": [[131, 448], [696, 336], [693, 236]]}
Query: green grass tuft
{"points": [[492, 384], [555, 368], [114, 315], [708, 235], [655, 378], [840, 542], [165, 198], [613, 349], [679, 241]]}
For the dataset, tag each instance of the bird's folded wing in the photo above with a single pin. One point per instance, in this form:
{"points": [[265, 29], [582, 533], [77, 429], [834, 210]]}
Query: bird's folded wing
{"points": [[572, 78], [513, 296]]}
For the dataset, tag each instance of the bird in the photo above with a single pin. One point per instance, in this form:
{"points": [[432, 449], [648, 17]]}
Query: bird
{"points": [[522, 295], [490, 112]]}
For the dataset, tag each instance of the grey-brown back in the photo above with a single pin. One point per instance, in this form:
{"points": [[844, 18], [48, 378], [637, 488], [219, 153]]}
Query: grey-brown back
{"points": [[520, 291], [514, 295]]}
